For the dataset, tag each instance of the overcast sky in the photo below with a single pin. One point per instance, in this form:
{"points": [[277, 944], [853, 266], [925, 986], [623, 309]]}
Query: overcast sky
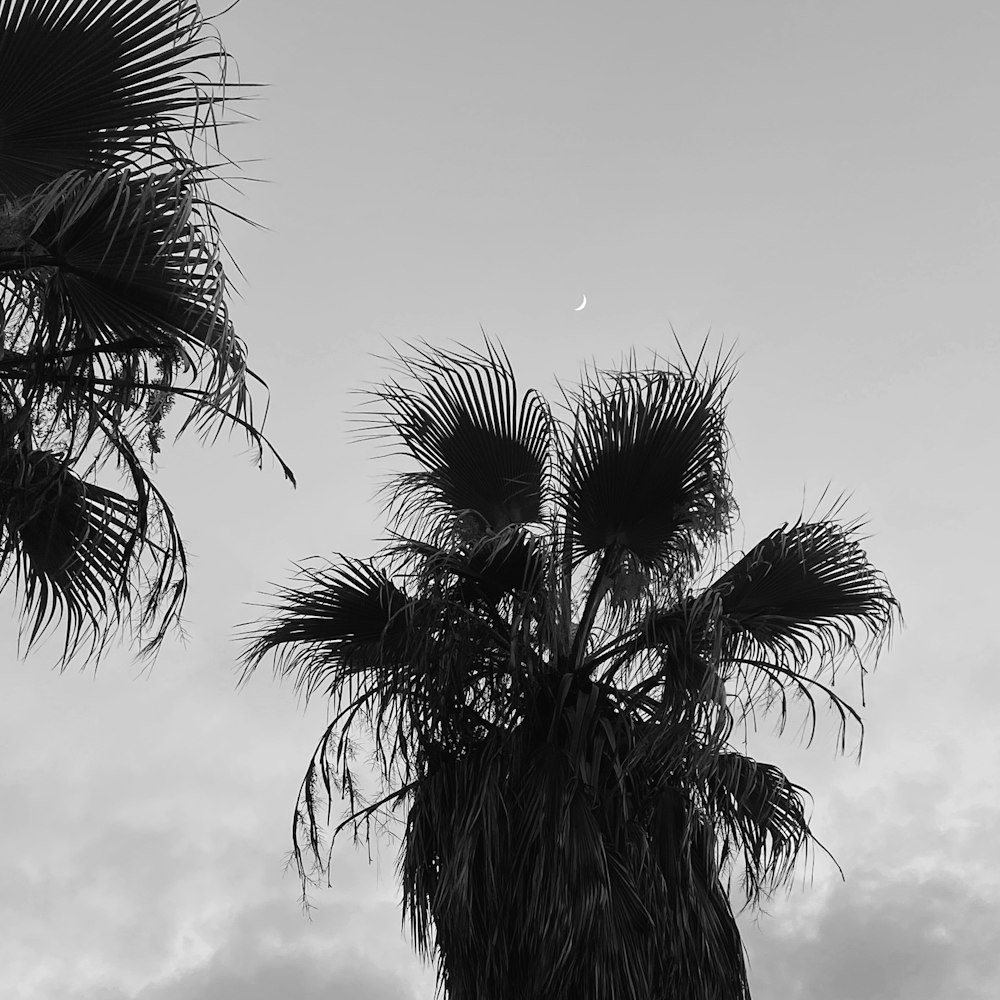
{"points": [[816, 184]]}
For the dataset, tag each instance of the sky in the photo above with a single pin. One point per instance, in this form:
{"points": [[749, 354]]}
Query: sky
{"points": [[812, 184]]}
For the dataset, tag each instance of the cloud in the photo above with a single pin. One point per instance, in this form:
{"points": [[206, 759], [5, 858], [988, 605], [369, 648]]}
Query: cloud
{"points": [[285, 977], [269, 952], [145, 825], [143, 852], [891, 938], [917, 915]]}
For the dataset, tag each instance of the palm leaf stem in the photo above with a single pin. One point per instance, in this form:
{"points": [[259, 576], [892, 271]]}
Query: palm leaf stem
{"points": [[598, 590], [397, 794], [562, 544], [637, 640]]}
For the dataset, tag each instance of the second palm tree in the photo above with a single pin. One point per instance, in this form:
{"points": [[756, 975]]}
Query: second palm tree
{"points": [[550, 676]]}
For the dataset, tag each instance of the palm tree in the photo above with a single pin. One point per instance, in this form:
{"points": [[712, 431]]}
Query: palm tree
{"points": [[113, 304], [551, 674]]}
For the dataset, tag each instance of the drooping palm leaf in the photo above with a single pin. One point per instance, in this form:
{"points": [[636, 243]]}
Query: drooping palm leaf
{"points": [[112, 300], [112, 266], [344, 627], [89, 84], [482, 446], [762, 813], [792, 609], [402, 670], [77, 551]]}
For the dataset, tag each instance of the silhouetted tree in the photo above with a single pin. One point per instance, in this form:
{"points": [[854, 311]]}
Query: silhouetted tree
{"points": [[112, 304], [551, 672]]}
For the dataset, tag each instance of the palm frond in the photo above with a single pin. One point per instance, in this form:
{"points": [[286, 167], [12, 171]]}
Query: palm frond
{"points": [[76, 551], [338, 619], [91, 84], [402, 670], [646, 467], [487, 569], [482, 446], [121, 298], [113, 271], [762, 816], [806, 590], [791, 610], [771, 628]]}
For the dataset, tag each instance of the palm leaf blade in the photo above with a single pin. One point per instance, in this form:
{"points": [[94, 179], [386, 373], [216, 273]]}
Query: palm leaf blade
{"points": [[84, 85], [338, 619], [483, 450], [647, 465], [114, 266], [763, 813], [78, 550], [805, 590]]}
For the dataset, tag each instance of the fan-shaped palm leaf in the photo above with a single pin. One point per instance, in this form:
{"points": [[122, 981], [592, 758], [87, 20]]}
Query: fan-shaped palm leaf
{"points": [[112, 300], [341, 618], [646, 468], [482, 447], [406, 669], [75, 549], [87, 84], [782, 616], [804, 591], [345, 627], [793, 608]]}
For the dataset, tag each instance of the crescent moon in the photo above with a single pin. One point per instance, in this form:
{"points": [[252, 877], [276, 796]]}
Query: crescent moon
{"points": [[581, 305]]}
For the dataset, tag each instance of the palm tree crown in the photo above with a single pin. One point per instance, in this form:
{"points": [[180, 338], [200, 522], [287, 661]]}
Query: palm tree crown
{"points": [[551, 672], [113, 303]]}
